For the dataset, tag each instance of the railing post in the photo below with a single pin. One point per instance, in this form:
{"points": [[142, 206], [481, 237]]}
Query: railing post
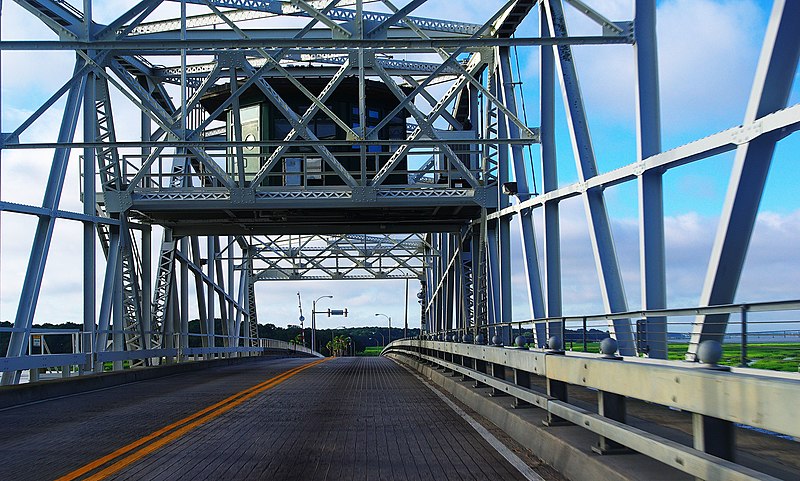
{"points": [[555, 389], [743, 361], [522, 378], [585, 343], [499, 372], [480, 366], [713, 435], [610, 405]]}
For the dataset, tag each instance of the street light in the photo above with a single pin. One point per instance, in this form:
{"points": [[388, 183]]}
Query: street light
{"points": [[383, 339], [314, 321], [390, 325]]}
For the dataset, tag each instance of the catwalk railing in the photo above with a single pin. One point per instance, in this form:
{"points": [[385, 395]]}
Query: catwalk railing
{"points": [[718, 398]]}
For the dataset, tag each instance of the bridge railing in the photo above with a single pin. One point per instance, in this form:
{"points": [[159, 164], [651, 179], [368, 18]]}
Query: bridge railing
{"points": [[83, 359], [718, 397], [763, 335]]}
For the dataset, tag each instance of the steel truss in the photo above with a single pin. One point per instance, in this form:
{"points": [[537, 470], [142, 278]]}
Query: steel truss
{"points": [[442, 195]]}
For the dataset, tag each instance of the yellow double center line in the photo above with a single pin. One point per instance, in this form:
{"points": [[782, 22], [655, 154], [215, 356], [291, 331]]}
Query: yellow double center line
{"points": [[130, 453]]}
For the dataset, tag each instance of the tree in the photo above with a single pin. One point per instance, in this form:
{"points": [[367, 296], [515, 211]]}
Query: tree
{"points": [[338, 346]]}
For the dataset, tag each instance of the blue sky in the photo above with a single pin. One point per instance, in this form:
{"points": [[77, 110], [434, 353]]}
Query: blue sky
{"points": [[705, 85], [708, 51]]}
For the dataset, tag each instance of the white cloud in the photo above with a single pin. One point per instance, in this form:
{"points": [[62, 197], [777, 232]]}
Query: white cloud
{"points": [[771, 271], [707, 53]]}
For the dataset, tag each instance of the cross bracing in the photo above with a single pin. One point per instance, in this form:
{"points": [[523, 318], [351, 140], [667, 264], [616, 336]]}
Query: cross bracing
{"points": [[382, 143]]}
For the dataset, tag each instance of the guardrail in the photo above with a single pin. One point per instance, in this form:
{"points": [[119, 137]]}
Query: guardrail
{"points": [[83, 360], [750, 328], [718, 397]]}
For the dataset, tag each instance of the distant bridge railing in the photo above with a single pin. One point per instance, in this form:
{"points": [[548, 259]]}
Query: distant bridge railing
{"points": [[83, 360], [718, 397]]}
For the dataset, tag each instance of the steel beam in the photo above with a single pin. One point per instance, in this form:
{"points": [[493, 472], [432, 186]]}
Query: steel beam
{"points": [[651, 199]]}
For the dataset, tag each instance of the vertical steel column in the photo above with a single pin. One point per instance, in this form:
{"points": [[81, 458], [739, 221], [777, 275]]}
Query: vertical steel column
{"points": [[231, 331], [427, 318], [211, 258], [220, 292], [362, 94], [241, 300], [184, 300], [448, 288], [771, 88], [110, 280], [29, 296], [493, 274], [651, 198], [547, 145], [503, 223], [171, 317], [499, 233], [89, 201], [200, 291], [605, 255], [434, 275], [463, 282], [146, 295], [444, 254], [117, 318]]}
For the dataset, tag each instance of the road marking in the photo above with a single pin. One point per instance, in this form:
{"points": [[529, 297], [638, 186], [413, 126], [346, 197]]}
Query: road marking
{"points": [[501, 448], [181, 427]]}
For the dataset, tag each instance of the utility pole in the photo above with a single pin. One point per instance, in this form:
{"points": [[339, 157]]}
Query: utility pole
{"points": [[405, 326], [302, 318]]}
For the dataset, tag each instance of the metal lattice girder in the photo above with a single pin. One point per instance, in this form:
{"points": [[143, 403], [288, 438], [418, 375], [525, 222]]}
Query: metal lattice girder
{"points": [[310, 8], [162, 291], [252, 312], [135, 336], [109, 168], [343, 257], [298, 65], [209, 20]]}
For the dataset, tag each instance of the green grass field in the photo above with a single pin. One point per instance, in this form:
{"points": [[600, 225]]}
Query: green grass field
{"points": [[773, 356], [371, 351]]}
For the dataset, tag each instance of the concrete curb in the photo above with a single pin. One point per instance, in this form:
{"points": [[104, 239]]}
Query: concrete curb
{"points": [[11, 396], [565, 448]]}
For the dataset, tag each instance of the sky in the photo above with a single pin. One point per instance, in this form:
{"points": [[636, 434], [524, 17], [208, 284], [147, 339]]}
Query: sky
{"points": [[708, 51]]}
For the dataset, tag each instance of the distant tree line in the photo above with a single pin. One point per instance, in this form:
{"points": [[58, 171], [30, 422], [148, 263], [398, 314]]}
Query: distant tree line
{"points": [[361, 336]]}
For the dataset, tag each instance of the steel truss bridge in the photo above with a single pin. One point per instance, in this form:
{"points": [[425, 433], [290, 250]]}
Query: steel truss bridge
{"points": [[432, 200]]}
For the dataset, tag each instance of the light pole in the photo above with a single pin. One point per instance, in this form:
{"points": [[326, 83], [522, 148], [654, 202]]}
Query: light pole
{"points": [[390, 325], [383, 339], [405, 325], [314, 321]]}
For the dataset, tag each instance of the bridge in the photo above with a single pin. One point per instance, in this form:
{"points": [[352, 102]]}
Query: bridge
{"points": [[267, 141]]}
